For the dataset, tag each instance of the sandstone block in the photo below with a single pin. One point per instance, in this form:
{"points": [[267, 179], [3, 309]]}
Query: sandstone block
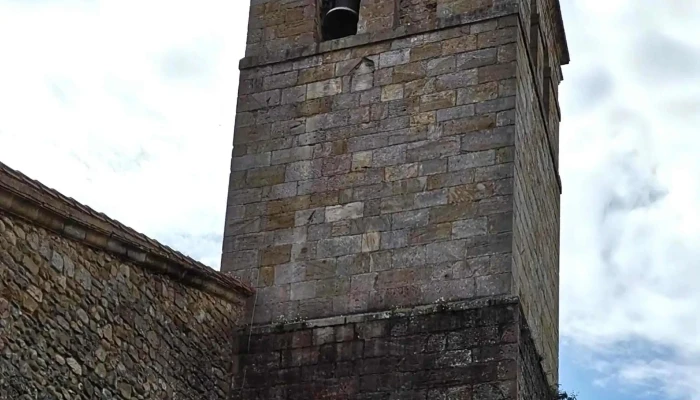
{"points": [[276, 255], [342, 212], [370, 241], [394, 57], [476, 59], [361, 160], [438, 100], [459, 44], [426, 51], [471, 160], [315, 74], [477, 93], [392, 92], [265, 176], [431, 233], [325, 88]]}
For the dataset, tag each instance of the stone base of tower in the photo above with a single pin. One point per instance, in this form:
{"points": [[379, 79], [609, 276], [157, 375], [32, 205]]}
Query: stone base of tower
{"points": [[476, 350]]}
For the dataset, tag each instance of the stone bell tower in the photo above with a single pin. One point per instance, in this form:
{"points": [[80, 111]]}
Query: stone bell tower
{"points": [[394, 198]]}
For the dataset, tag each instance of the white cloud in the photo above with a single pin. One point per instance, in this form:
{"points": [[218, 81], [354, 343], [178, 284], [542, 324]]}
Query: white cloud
{"points": [[127, 106], [630, 233]]}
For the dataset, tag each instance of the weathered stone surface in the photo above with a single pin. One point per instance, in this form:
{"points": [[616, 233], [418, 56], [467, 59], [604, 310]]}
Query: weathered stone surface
{"points": [[420, 136], [94, 326], [437, 353]]}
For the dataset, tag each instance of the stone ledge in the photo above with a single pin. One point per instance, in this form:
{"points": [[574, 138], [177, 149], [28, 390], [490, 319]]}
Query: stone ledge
{"points": [[407, 312], [32, 201], [501, 10]]}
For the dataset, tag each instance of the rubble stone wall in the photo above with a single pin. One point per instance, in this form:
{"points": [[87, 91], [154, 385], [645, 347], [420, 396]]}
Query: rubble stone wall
{"points": [[78, 323]]}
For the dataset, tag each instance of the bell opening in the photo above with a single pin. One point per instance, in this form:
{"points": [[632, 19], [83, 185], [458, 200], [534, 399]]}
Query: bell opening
{"points": [[341, 21]]}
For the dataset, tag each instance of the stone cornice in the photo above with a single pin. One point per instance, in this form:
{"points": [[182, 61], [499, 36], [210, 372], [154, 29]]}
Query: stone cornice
{"points": [[30, 200]]}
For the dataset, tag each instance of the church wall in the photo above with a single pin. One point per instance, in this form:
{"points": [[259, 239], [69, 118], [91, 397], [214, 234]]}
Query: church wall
{"points": [[84, 314]]}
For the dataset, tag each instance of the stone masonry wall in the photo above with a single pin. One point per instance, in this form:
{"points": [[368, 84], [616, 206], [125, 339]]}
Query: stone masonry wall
{"points": [[537, 214], [532, 381], [77, 323], [376, 176], [443, 352]]}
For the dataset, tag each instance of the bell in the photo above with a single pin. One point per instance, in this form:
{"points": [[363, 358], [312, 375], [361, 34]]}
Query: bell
{"points": [[341, 19]]}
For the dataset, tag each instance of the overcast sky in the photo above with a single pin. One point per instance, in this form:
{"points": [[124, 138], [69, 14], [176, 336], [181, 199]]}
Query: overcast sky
{"points": [[128, 106]]}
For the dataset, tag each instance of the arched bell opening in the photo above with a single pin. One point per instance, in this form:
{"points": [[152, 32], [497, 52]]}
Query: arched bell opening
{"points": [[339, 18]]}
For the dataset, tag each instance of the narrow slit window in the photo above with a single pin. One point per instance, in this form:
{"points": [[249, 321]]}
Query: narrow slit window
{"points": [[339, 18]]}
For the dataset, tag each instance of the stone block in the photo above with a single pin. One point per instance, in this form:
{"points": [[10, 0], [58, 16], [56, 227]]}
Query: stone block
{"points": [[391, 155], [451, 113], [340, 246], [266, 176], [316, 73], [478, 93], [469, 228], [456, 80], [440, 66], [303, 290], [394, 57], [438, 100], [362, 82], [337, 165], [476, 59], [394, 239], [489, 139], [471, 160], [276, 255], [343, 212], [361, 160], [370, 241], [392, 92], [324, 88], [410, 219], [420, 151], [280, 81], [292, 95], [304, 170], [400, 172]]}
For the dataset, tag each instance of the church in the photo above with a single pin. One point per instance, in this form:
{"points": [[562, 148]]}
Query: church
{"points": [[392, 226]]}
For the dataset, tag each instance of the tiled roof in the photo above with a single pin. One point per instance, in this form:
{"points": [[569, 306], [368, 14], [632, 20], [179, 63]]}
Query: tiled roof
{"points": [[32, 200]]}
